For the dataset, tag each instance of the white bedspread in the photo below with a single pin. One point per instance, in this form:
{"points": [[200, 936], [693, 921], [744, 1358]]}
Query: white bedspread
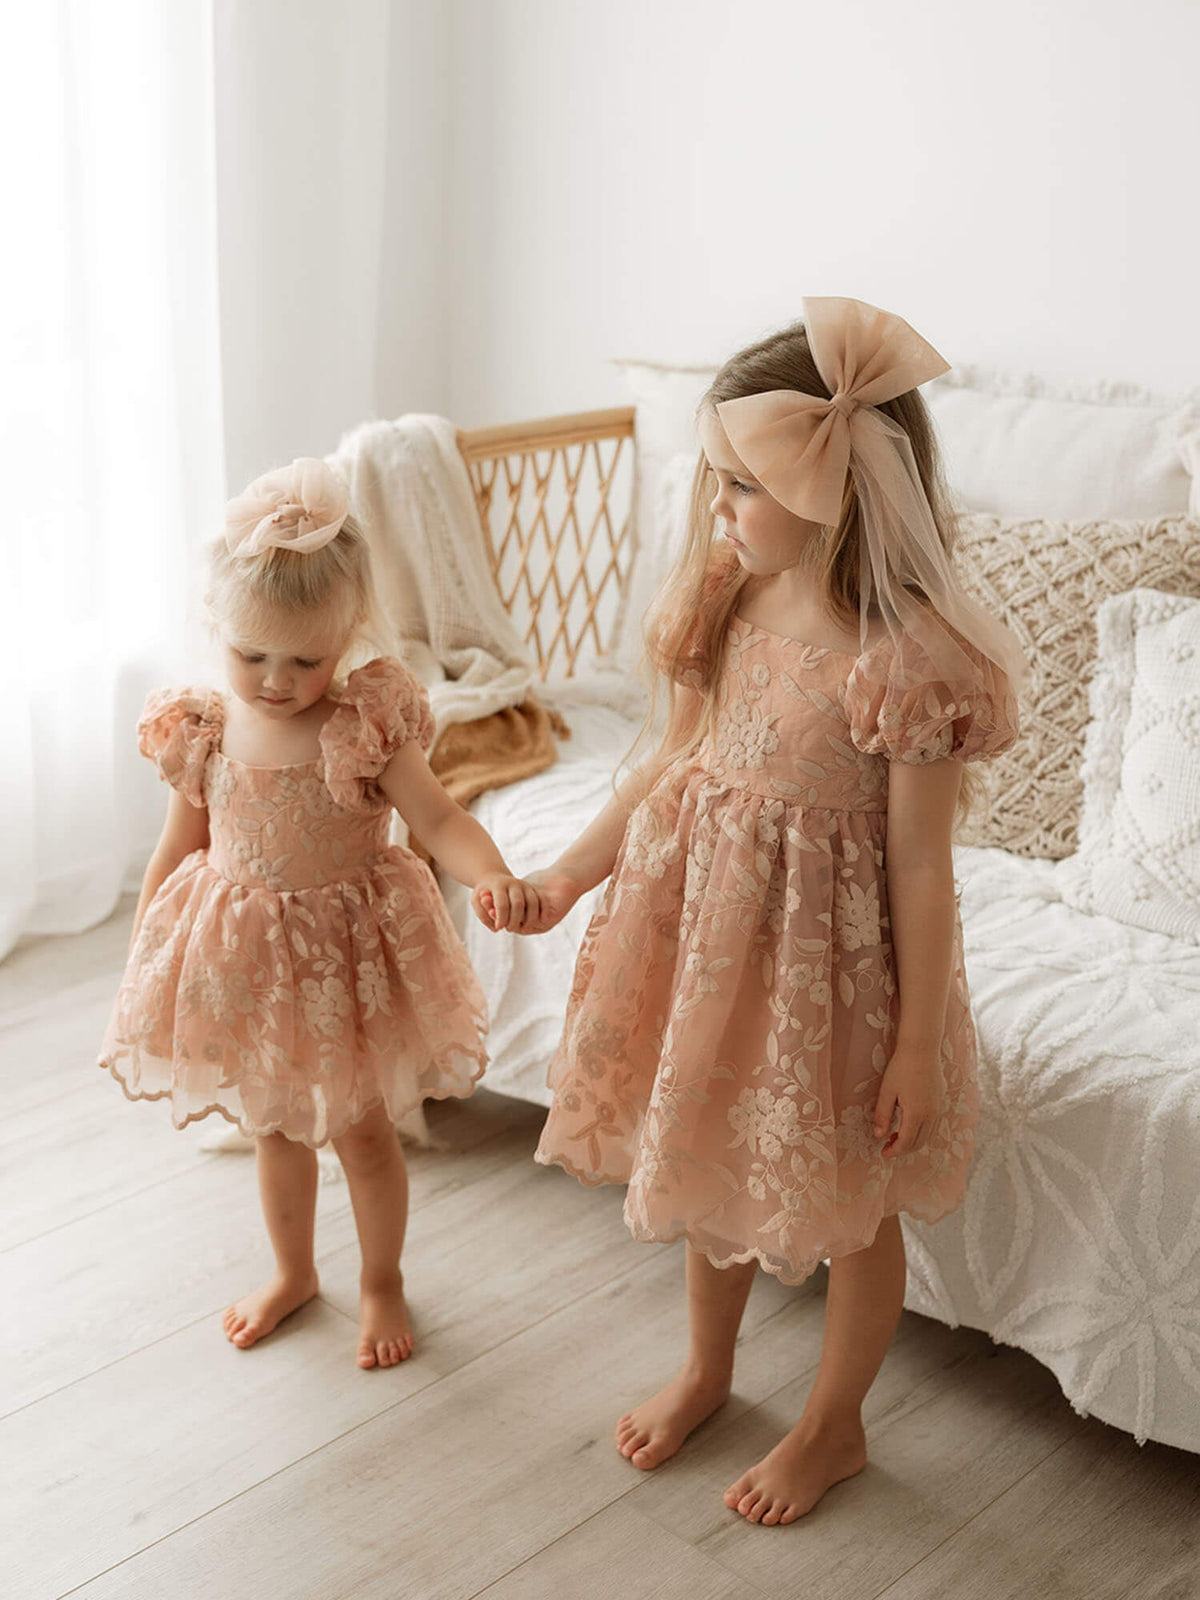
{"points": [[1079, 1238]]}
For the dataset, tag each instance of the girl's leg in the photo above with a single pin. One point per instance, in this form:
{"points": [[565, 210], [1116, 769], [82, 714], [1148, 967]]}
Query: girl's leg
{"points": [[287, 1182], [716, 1298], [378, 1178], [862, 1308]]}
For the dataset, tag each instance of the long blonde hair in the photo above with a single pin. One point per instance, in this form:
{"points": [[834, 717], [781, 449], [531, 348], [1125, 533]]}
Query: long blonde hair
{"points": [[687, 622], [334, 582]]}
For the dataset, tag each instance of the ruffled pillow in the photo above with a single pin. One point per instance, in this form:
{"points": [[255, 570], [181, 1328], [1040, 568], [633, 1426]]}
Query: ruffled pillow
{"points": [[382, 707], [902, 707], [178, 731]]}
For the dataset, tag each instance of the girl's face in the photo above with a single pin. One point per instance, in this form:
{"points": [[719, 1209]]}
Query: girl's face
{"points": [[286, 666], [767, 537]]}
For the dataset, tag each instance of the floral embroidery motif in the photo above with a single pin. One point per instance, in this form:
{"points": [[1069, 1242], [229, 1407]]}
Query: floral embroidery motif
{"points": [[744, 738]]}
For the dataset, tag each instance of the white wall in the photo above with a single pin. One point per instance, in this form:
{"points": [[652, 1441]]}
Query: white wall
{"points": [[471, 205], [666, 178]]}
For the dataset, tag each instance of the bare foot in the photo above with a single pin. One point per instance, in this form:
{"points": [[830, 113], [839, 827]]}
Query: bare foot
{"points": [[254, 1316], [383, 1325], [653, 1431], [789, 1481]]}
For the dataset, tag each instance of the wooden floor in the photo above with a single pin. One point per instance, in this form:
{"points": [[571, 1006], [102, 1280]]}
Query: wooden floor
{"points": [[144, 1458]]}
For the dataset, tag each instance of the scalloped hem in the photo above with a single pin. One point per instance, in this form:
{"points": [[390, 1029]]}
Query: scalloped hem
{"points": [[591, 1181], [791, 1276], [248, 1130]]}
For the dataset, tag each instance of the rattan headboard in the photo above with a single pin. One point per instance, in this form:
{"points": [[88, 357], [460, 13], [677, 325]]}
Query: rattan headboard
{"points": [[555, 499]]}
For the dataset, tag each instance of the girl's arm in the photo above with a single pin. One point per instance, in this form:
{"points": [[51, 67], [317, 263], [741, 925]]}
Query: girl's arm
{"points": [[920, 889], [590, 859], [455, 840], [185, 830]]}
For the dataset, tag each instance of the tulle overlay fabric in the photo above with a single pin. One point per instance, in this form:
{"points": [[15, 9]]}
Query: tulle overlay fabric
{"points": [[300, 969], [734, 1002]]}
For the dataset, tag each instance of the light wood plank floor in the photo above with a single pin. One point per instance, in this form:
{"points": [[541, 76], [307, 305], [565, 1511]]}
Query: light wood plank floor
{"points": [[144, 1458]]}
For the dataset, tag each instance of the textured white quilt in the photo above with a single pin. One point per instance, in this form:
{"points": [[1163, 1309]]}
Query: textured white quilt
{"points": [[1079, 1238]]}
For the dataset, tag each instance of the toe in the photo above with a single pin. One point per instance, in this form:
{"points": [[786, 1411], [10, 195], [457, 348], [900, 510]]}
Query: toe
{"points": [[366, 1355], [789, 1514], [748, 1502], [771, 1515]]}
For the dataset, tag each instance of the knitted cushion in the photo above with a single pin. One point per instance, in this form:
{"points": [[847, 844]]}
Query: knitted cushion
{"points": [[1139, 836], [1047, 580]]}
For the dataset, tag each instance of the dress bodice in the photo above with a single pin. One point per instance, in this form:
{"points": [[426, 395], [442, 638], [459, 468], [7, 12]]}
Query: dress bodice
{"points": [[280, 828], [782, 727], [305, 825]]}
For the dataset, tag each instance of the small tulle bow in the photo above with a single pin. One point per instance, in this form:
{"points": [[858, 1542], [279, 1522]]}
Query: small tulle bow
{"points": [[300, 507]]}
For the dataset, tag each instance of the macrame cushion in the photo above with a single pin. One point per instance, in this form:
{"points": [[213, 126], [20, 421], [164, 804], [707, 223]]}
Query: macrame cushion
{"points": [[1047, 580], [1139, 836]]}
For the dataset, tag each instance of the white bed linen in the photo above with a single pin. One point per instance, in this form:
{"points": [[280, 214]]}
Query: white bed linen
{"points": [[1079, 1237]]}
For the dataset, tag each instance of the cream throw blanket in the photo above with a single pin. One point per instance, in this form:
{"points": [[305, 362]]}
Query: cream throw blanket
{"points": [[409, 485]]}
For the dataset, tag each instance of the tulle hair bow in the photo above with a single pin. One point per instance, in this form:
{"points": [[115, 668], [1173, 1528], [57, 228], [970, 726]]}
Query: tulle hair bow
{"points": [[300, 507], [798, 445], [801, 447]]}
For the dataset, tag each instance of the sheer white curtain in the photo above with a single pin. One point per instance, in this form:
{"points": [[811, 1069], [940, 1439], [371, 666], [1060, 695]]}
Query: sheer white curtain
{"points": [[110, 422]]}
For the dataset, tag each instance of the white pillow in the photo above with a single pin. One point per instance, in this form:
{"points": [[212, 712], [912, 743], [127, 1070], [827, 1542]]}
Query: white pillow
{"points": [[1020, 447], [1014, 446], [665, 399], [1139, 835]]}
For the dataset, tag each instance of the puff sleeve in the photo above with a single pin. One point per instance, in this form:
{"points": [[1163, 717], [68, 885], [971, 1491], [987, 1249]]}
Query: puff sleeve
{"points": [[383, 706], [178, 731], [903, 706]]}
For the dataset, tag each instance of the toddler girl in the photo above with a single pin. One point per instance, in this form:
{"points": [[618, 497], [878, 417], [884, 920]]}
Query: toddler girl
{"points": [[288, 968], [769, 1035]]}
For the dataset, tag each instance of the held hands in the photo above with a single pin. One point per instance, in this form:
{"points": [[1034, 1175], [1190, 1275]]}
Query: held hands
{"points": [[557, 892], [530, 905], [501, 901], [914, 1084]]}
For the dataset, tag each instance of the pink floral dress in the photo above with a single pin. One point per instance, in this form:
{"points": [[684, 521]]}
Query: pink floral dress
{"points": [[299, 970], [734, 1002]]}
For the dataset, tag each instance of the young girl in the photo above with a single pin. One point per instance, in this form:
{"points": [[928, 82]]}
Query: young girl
{"points": [[769, 1036], [288, 969]]}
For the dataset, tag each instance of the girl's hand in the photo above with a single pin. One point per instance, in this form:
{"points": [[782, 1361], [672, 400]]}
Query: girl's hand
{"points": [[913, 1080], [556, 892], [501, 901]]}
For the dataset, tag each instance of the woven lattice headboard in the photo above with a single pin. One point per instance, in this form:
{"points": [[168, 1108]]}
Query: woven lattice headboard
{"points": [[555, 500]]}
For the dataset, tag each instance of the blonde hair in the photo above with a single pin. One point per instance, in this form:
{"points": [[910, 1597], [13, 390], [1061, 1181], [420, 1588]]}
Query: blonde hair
{"points": [[687, 622], [333, 584]]}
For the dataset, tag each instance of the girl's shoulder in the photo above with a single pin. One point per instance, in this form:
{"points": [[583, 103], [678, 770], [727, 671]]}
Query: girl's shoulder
{"points": [[178, 730], [382, 706], [930, 698]]}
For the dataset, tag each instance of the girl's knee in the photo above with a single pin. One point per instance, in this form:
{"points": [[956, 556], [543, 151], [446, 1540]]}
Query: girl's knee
{"points": [[369, 1143]]}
